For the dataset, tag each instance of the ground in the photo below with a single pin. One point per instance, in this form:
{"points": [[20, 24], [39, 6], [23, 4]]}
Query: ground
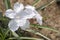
{"points": [[51, 16]]}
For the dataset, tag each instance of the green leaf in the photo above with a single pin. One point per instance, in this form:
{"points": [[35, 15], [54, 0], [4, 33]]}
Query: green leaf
{"points": [[42, 7], [45, 27], [7, 4], [1, 31], [1, 36], [36, 2], [15, 34], [37, 33], [6, 33], [1, 14], [45, 5], [30, 38]]}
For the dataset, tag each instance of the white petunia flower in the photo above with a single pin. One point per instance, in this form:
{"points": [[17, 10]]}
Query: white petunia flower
{"points": [[20, 15]]}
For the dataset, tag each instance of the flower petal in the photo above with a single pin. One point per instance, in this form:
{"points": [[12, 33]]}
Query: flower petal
{"points": [[38, 17], [26, 14], [29, 14], [18, 7], [24, 24], [10, 13], [30, 7], [13, 25]]}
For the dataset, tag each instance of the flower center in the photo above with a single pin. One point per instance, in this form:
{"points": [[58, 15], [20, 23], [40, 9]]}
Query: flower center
{"points": [[17, 17]]}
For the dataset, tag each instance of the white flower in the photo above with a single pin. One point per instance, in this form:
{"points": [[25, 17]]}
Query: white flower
{"points": [[19, 16]]}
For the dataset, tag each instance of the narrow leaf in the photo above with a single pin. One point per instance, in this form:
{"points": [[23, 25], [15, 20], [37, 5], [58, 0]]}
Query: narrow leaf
{"points": [[15, 34], [45, 5], [37, 33], [7, 4], [45, 27], [36, 2], [30, 38], [6, 33]]}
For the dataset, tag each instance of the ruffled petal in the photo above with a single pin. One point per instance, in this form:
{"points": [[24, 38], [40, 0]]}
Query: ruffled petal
{"points": [[10, 13], [24, 24], [29, 14], [18, 7], [26, 14], [30, 7], [38, 17], [13, 25]]}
